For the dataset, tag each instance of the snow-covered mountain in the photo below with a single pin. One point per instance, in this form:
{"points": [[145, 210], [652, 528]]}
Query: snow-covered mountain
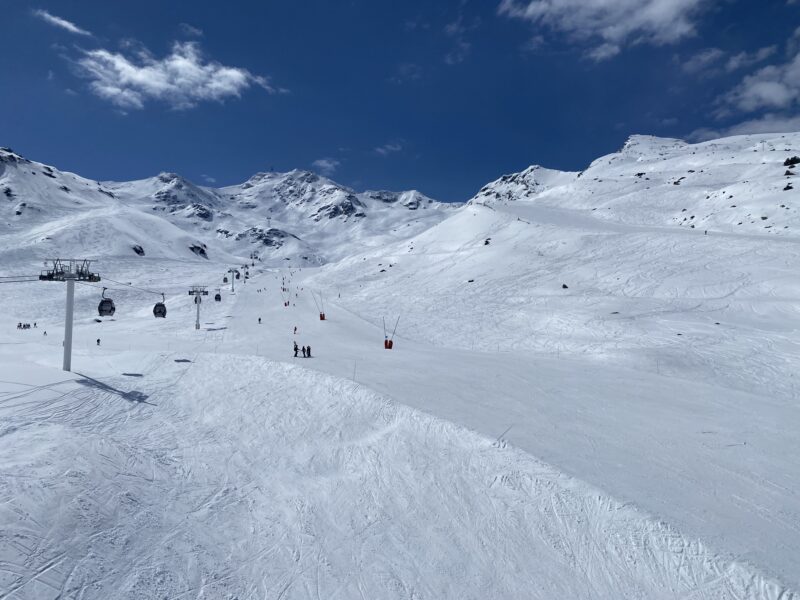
{"points": [[587, 397], [298, 217], [741, 184], [613, 269], [527, 184]]}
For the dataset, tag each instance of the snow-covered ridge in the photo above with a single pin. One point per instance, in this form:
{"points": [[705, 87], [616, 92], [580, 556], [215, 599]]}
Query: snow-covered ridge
{"points": [[526, 184], [737, 185], [294, 218], [742, 184]]}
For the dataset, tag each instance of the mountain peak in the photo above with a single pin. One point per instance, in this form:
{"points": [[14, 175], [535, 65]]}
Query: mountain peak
{"points": [[7, 155], [166, 177], [647, 144], [525, 184]]}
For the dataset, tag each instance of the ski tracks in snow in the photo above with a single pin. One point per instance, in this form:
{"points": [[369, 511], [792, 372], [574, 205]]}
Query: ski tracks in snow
{"points": [[254, 479]]}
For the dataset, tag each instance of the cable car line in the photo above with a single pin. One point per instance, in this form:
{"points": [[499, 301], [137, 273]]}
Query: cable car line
{"points": [[135, 287]]}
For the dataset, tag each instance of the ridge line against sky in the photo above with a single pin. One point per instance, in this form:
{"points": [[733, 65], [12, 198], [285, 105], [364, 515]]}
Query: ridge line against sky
{"points": [[442, 98]]}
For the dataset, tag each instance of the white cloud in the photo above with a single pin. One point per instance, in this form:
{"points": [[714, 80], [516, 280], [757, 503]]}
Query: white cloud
{"points": [[208, 178], [748, 59], [703, 60], [181, 79], [59, 22], [604, 52], [766, 100], [457, 31], [610, 25], [190, 30], [326, 166], [775, 87], [388, 149], [793, 44], [769, 123]]}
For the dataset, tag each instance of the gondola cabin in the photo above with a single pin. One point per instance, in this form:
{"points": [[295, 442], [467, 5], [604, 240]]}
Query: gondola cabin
{"points": [[106, 307]]}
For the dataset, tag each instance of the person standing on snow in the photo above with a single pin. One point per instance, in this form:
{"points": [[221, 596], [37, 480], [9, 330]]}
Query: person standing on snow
{"points": [[308, 351], [295, 349], [304, 352]]}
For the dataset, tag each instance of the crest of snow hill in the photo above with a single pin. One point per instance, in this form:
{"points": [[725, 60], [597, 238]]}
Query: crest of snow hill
{"points": [[739, 184]]}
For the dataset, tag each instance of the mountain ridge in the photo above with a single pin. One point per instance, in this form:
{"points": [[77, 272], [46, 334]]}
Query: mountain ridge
{"points": [[741, 184], [299, 216]]}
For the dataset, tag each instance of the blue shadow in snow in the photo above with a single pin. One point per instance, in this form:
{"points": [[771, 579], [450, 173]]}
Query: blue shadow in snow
{"points": [[133, 396]]}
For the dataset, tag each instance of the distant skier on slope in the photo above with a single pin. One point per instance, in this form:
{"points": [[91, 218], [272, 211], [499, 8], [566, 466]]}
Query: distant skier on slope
{"points": [[295, 349], [304, 352], [308, 351]]}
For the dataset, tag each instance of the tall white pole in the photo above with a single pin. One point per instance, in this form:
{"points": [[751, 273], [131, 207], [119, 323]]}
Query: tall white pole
{"points": [[197, 322], [68, 323]]}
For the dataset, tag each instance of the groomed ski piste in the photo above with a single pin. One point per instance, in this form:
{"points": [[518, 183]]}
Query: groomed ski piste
{"points": [[576, 405]]}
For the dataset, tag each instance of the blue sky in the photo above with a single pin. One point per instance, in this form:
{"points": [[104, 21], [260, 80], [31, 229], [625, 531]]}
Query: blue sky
{"points": [[439, 96]]}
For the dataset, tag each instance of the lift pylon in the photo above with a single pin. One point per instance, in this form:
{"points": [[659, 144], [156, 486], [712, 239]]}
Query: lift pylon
{"points": [[69, 270], [198, 291]]}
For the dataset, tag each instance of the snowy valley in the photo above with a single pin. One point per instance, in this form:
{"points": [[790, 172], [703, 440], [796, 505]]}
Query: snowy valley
{"points": [[592, 391]]}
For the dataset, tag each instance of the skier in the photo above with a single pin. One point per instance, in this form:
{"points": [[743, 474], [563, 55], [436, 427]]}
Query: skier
{"points": [[295, 349], [304, 352], [259, 320], [308, 351], [295, 329], [45, 334], [98, 341]]}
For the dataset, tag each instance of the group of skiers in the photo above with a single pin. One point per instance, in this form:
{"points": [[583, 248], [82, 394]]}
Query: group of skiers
{"points": [[285, 289], [28, 326], [305, 349]]}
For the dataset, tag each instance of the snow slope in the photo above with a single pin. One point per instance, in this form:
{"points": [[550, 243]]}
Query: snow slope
{"points": [[630, 435], [193, 473], [738, 184]]}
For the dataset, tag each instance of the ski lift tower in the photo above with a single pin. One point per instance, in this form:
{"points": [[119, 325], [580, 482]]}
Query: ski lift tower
{"points": [[198, 291], [69, 270]]}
